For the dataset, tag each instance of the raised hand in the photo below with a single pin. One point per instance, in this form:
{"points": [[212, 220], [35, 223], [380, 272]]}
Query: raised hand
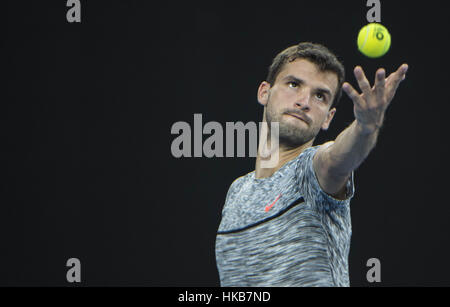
{"points": [[371, 104]]}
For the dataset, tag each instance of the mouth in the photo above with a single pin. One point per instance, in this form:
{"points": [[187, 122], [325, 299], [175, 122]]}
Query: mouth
{"points": [[297, 116]]}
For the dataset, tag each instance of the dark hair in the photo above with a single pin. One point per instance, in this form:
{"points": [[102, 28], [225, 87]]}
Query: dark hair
{"points": [[317, 54]]}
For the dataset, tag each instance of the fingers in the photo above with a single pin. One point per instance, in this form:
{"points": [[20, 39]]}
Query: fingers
{"points": [[379, 84], [353, 94], [403, 68], [401, 73], [394, 79], [383, 90], [363, 83]]}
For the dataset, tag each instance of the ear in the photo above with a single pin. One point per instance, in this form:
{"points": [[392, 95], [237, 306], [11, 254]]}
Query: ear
{"points": [[327, 121], [263, 92]]}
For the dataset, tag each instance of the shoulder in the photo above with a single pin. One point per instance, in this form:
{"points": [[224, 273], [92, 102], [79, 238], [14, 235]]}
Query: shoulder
{"points": [[337, 187], [233, 192], [321, 149], [310, 155], [320, 154], [238, 182]]}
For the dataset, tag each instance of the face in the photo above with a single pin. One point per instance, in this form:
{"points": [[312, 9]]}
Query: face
{"points": [[300, 100]]}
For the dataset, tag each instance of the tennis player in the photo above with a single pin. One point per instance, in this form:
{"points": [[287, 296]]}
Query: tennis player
{"points": [[290, 225]]}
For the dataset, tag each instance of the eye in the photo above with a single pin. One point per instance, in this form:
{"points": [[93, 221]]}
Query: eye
{"points": [[294, 84], [320, 96]]}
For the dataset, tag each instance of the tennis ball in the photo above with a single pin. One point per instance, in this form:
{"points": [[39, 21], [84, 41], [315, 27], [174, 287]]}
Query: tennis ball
{"points": [[374, 40]]}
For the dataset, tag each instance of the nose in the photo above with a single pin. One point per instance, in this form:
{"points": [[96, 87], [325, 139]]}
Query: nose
{"points": [[303, 99]]}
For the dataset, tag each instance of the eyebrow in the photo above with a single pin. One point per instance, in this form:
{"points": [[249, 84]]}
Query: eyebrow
{"points": [[319, 89]]}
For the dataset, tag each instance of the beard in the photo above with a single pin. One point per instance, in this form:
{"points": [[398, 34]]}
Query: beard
{"points": [[291, 135]]}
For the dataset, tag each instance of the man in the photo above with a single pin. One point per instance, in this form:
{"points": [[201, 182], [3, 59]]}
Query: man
{"points": [[290, 225]]}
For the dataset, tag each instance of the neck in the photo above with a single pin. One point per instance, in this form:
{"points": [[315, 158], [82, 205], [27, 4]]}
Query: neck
{"points": [[285, 155]]}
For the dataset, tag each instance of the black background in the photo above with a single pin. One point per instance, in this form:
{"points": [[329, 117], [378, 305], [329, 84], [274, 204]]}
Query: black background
{"points": [[86, 113]]}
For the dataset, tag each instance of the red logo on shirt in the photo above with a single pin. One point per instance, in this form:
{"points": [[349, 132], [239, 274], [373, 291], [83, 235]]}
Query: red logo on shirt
{"points": [[271, 205]]}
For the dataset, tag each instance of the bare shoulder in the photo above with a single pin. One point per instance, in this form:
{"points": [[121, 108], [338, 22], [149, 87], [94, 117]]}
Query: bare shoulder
{"points": [[321, 151], [333, 186], [320, 160]]}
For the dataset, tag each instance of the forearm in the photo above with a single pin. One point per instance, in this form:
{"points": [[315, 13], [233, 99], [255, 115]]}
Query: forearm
{"points": [[336, 162], [350, 149]]}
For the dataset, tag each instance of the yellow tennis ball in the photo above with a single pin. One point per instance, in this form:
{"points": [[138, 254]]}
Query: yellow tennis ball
{"points": [[374, 40]]}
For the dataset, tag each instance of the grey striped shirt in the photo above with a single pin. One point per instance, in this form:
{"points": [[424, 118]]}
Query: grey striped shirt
{"points": [[284, 230]]}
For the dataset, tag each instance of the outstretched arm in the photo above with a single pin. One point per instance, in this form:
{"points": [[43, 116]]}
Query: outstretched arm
{"points": [[334, 164]]}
